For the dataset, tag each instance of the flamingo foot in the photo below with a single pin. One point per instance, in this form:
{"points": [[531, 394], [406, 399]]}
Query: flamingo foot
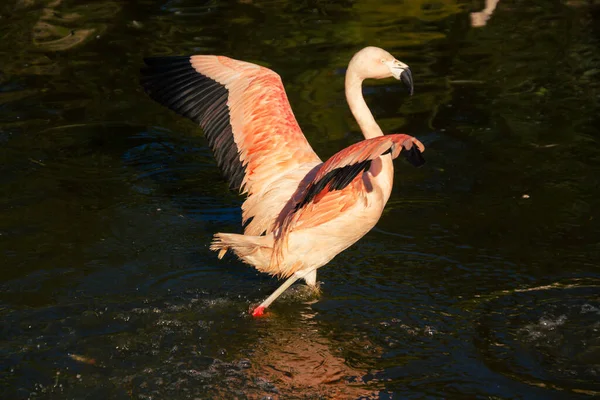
{"points": [[258, 311], [316, 290]]}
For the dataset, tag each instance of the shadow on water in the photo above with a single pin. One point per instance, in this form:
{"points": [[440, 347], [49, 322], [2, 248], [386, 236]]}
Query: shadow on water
{"points": [[480, 281]]}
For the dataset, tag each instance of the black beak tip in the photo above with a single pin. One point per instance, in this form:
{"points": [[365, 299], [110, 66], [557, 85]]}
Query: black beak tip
{"points": [[406, 78]]}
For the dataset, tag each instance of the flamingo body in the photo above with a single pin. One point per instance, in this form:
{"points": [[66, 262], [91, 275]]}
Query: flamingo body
{"points": [[299, 212]]}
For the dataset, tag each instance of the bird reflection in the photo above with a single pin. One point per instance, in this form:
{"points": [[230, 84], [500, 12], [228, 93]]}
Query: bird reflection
{"points": [[298, 357], [480, 18]]}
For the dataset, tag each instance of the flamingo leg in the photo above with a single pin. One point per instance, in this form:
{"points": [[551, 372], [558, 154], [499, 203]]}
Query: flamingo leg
{"points": [[260, 310], [311, 279]]}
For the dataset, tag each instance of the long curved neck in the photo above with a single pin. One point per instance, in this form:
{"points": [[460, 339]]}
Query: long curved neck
{"points": [[381, 170], [359, 108]]}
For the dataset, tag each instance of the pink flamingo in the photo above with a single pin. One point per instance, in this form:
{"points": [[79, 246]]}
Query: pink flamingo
{"points": [[299, 212]]}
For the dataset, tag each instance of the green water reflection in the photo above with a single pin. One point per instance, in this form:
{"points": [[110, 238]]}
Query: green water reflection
{"points": [[481, 279]]}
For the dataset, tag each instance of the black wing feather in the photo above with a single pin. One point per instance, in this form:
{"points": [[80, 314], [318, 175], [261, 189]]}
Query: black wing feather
{"points": [[337, 179], [414, 156], [173, 82]]}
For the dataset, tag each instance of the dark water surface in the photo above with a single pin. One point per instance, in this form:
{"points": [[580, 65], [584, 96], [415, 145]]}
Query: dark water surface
{"points": [[482, 279]]}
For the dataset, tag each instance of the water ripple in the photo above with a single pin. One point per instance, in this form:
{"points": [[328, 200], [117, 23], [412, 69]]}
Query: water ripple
{"points": [[544, 336]]}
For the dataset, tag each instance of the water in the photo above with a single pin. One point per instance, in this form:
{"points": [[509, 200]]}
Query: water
{"points": [[480, 281]]}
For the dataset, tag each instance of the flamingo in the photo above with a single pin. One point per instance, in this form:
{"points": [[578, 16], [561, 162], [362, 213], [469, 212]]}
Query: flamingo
{"points": [[299, 211]]}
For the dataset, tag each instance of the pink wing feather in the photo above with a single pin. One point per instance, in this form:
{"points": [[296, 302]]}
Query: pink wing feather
{"points": [[338, 183], [243, 109], [246, 117], [346, 165]]}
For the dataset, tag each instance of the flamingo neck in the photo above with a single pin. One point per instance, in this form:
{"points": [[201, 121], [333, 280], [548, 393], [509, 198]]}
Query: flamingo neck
{"points": [[359, 107]]}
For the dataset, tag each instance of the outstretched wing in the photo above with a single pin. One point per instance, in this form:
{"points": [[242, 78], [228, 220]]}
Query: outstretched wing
{"points": [[243, 110]]}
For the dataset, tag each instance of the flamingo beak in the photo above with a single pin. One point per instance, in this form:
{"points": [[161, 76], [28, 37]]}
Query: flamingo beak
{"points": [[402, 72], [406, 78]]}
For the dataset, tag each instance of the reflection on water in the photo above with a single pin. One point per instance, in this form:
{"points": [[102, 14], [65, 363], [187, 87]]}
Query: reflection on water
{"points": [[294, 356], [480, 280], [480, 18]]}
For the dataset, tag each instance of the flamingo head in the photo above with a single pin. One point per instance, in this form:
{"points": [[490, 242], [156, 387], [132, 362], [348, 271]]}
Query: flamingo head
{"points": [[376, 63]]}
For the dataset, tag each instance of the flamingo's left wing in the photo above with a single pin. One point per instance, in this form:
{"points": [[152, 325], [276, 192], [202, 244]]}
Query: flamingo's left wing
{"points": [[343, 167], [338, 185], [338, 182]]}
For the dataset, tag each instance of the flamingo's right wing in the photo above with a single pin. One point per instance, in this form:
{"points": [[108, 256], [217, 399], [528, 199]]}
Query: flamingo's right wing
{"points": [[243, 110]]}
